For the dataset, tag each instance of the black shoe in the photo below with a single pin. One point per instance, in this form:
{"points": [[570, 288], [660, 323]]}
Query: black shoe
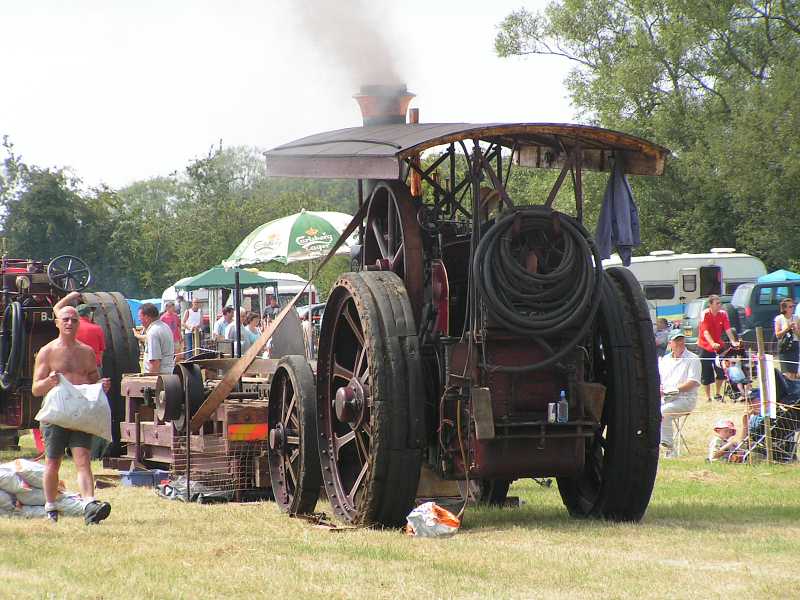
{"points": [[96, 512], [52, 516]]}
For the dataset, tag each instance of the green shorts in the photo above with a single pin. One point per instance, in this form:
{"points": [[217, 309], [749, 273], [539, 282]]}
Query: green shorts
{"points": [[57, 440]]}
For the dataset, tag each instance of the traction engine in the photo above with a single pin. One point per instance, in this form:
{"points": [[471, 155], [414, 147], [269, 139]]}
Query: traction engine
{"points": [[478, 338]]}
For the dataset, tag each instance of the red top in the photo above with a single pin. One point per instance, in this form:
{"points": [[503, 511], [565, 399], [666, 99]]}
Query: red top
{"points": [[92, 335], [174, 323], [716, 325]]}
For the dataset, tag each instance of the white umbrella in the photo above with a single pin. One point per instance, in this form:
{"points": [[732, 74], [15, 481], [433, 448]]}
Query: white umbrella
{"points": [[306, 235]]}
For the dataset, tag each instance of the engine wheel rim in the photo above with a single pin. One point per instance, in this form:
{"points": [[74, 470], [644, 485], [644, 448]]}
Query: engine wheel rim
{"points": [[284, 442], [292, 454], [349, 437], [392, 240]]}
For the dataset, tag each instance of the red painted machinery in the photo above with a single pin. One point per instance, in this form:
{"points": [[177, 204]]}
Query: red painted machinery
{"points": [[30, 289]]}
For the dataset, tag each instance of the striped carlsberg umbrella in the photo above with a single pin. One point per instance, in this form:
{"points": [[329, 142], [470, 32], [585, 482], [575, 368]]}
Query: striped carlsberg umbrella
{"points": [[306, 235]]}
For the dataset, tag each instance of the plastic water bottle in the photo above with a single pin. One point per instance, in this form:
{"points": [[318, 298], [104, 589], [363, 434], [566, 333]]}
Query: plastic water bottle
{"points": [[563, 408]]}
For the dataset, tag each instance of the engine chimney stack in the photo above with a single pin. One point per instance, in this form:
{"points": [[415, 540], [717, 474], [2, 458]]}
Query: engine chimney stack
{"points": [[383, 104]]}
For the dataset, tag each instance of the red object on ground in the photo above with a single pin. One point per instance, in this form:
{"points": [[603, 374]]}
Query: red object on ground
{"points": [[37, 437]]}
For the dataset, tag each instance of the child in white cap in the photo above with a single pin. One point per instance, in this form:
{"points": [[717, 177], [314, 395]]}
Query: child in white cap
{"points": [[722, 444]]}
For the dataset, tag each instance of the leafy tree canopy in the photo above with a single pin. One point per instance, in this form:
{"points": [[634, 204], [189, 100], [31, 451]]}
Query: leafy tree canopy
{"points": [[715, 81]]}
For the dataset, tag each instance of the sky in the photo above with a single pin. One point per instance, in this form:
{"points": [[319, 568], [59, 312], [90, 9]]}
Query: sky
{"points": [[120, 91]]}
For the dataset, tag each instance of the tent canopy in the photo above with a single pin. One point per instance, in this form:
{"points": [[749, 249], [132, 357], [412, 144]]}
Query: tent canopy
{"points": [[218, 277], [779, 275]]}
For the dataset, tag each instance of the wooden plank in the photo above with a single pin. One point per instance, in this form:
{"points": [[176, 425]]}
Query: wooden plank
{"points": [[263, 367]]}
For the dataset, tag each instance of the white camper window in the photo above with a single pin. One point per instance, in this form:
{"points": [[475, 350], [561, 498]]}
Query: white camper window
{"points": [[689, 283]]}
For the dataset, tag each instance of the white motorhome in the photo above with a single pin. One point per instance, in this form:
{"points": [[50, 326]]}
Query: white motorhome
{"points": [[286, 286], [671, 280]]}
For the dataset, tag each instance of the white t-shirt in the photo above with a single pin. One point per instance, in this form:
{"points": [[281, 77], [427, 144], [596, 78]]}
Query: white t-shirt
{"points": [[782, 322], [194, 318], [160, 346], [220, 325], [675, 371]]}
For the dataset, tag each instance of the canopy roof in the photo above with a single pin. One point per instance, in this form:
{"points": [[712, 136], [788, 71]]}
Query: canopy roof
{"points": [[377, 152], [779, 275], [219, 277]]}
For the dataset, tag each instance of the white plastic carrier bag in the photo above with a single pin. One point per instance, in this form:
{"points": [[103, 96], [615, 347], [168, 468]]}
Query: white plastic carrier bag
{"points": [[431, 520], [79, 407]]}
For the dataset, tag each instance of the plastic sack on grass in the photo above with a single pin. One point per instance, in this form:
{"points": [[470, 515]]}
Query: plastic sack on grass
{"points": [[9, 482], [31, 512], [30, 496], [70, 505], [7, 506], [431, 520], [30, 472], [79, 407]]}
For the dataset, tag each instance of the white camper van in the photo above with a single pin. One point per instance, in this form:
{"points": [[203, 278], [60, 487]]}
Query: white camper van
{"points": [[286, 286], [670, 280]]}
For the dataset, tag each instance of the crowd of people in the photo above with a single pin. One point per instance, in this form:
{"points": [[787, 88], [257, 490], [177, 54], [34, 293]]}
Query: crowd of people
{"points": [[77, 355], [683, 373], [177, 334]]}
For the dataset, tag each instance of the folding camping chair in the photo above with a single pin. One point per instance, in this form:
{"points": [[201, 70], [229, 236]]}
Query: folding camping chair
{"points": [[679, 440]]}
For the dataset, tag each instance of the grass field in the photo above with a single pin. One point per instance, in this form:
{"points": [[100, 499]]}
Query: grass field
{"points": [[712, 531]]}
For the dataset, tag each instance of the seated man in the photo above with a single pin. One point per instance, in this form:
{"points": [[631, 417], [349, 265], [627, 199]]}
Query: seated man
{"points": [[680, 377]]}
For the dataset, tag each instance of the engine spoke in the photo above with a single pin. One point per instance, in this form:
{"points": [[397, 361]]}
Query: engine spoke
{"points": [[376, 230], [362, 448], [390, 226], [351, 497], [341, 372], [339, 441], [354, 327], [288, 410], [397, 260]]}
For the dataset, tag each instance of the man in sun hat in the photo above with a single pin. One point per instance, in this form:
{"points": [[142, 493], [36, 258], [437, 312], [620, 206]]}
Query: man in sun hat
{"points": [[722, 443], [680, 377]]}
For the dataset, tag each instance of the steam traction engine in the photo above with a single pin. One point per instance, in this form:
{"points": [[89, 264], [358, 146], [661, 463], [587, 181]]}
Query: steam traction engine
{"points": [[471, 314], [30, 289]]}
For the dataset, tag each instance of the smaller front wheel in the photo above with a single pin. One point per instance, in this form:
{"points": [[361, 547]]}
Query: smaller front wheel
{"points": [[293, 460]]}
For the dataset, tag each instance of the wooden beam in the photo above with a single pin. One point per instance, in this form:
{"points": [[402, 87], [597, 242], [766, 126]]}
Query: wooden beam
{"points": [[557, 185]]}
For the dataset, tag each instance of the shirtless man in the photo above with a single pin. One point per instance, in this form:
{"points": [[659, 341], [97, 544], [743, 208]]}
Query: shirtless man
{"points": [[76, 362]]}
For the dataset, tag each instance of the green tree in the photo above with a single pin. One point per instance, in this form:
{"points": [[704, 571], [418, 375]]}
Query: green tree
{"points": [[144, 233], [715, 81], [46, 218]]}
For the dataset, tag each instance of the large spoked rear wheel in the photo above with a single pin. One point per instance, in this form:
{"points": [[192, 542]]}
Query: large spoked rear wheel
{"points": [[370, 400], [293, 459], [622, 458]]}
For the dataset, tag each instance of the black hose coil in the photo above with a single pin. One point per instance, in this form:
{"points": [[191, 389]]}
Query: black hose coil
{"points": [[560, 297]]}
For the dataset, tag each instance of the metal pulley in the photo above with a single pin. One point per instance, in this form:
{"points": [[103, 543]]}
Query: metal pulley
{"points": [[191, 380], [169, 397]]}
